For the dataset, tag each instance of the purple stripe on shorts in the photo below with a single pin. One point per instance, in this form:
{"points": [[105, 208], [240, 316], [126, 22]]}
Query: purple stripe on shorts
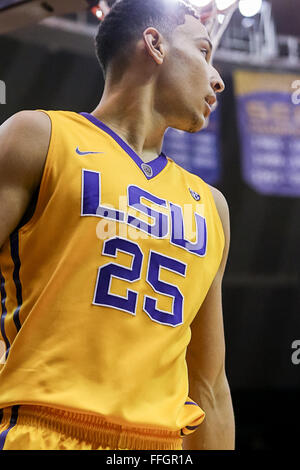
{"points": [[12, 423]]}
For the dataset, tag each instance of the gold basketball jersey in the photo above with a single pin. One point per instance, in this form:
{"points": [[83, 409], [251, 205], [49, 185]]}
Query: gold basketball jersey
{"points": [[100, 287]]}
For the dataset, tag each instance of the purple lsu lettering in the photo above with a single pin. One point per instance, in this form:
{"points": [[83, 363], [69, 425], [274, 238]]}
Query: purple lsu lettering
{"points": [[91, 206]]}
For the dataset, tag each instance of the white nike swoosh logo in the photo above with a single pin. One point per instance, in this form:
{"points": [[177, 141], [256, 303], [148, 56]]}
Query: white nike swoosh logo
{"points": [[87, 153]]}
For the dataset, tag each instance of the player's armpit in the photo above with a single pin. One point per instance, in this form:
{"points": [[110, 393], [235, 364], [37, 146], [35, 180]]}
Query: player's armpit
{"points": [[24, 142], [208, 385]]}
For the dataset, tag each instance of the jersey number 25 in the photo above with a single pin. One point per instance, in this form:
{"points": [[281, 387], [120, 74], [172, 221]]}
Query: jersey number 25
{"points": [[128, 304]]}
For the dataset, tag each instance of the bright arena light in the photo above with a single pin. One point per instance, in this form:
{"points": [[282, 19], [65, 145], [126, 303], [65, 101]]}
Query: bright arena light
{"points": [[99, 14], [250, 8], [223, 4], [201, 3]]}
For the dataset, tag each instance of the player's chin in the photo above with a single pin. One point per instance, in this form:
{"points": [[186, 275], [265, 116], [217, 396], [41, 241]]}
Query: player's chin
{"points": [[198, 122]]}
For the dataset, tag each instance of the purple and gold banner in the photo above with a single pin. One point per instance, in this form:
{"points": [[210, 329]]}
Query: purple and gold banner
{"points": [[198, 153], [269, 125]]}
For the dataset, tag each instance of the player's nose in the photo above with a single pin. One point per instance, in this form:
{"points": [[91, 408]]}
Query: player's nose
{"points": [[216, 82]]}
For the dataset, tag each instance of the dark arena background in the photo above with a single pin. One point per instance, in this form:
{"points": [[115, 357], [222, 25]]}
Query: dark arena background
{"points": [[250, 151]]}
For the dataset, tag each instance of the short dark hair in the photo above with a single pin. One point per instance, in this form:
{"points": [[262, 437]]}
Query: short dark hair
{"points": [[128, 19]]}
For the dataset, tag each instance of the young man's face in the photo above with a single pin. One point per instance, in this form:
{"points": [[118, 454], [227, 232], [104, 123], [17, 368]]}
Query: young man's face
{"points": [[189, 81]]}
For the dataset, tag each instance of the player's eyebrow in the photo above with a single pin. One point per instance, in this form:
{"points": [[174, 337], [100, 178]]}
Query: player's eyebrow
{"points": [[204, 38]]}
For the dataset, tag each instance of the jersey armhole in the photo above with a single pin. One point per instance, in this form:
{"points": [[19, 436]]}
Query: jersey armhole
{"points": [[40, 201]]}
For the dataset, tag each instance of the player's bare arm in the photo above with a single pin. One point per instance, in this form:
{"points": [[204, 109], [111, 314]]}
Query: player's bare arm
{"points": [[24, 141], [206, 361]]}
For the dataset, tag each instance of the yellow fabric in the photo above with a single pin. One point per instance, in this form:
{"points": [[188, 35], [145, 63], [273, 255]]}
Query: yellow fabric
{"points": [[63, 350], [38, 430]]}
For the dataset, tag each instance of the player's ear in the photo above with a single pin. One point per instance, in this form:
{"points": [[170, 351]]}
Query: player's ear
{"points": [[155, 44]]}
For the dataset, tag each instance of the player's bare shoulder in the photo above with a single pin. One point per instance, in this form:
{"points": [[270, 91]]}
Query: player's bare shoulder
{"points": [[24, 143], [25, 134], [223, 210], [222, 206]]}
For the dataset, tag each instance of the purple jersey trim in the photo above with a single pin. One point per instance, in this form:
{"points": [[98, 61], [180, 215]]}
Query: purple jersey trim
{"points": [[4, 313], [12, 423], [14, 248], [157, 165]]}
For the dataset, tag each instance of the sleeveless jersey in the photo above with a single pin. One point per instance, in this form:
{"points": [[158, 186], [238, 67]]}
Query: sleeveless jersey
{"points": [[99, 288]]}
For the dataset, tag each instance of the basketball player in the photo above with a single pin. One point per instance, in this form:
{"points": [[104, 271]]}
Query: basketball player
{"points": [[116, 342]]}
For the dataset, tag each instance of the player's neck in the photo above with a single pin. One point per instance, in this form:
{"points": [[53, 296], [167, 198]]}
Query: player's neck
{"points": [[132, 115]]}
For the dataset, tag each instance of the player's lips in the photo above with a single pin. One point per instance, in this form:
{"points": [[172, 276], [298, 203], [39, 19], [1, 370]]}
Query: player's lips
{"points": [[208, 110], [210, 101]]}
